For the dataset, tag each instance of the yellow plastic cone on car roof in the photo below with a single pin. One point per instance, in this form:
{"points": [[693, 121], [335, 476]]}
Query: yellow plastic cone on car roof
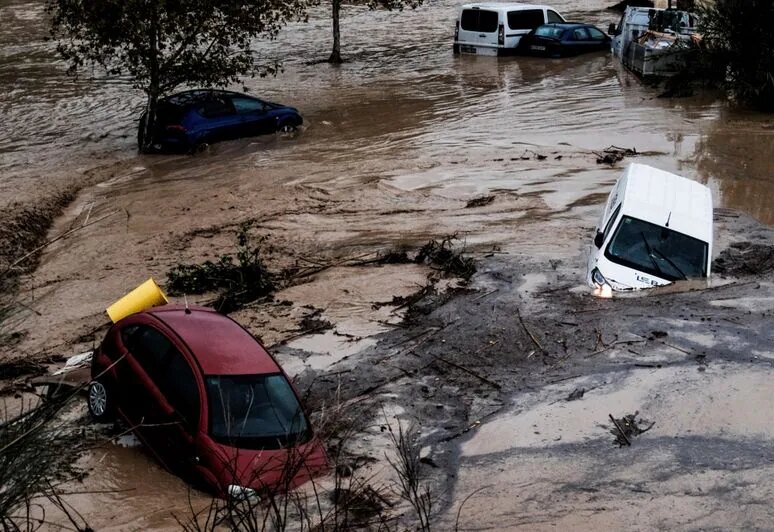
{"points": [[145, 296]]}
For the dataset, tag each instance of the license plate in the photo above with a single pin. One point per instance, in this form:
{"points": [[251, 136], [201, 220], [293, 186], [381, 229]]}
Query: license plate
{"points": [[538, 48], [465, 49]]}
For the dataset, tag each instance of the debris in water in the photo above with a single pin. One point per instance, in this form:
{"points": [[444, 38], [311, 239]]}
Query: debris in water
{"points": [[441, 256], [627, 427], [394, 256], [82, 360], [613, 154], [314, 322], [479, 202]]}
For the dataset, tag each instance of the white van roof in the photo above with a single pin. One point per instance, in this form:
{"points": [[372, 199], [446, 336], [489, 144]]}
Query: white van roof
{"points": [[656, 196], [504, 6]]}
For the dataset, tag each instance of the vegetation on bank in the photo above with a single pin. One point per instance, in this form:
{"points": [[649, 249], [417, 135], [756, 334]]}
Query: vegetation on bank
{"points": [[738, 49]]}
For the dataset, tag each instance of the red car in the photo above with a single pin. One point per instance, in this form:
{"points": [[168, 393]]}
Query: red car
{"points": [[207, 399]]}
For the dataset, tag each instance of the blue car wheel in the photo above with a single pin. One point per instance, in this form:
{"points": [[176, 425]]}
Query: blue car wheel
{"points": [[287, 127]]}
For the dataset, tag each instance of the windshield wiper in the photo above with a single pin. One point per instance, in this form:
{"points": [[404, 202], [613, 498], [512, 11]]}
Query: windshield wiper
{"points": [[671, 263], [650, 253]]}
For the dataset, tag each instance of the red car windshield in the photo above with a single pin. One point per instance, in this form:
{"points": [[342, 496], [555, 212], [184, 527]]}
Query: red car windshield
{"points": [[255, 412]]}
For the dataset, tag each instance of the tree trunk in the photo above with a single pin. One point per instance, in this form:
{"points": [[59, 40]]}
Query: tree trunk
{"points": [[335, 56], [148, 126]]}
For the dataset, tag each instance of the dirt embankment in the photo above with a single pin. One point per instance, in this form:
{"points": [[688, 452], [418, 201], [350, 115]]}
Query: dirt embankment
{"points": [[23, 229]]}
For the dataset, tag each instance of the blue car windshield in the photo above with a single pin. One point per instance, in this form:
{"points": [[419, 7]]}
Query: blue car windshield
{"points": [[255, 412], [657, 250], [551, 32]]}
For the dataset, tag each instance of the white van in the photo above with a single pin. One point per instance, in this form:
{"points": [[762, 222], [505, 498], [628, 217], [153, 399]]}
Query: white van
{"points": [[656, 228], [496, 29]]}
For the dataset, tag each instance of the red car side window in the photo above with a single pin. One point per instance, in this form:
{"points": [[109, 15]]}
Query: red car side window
{"points": [[178, 383], [168, 370]]}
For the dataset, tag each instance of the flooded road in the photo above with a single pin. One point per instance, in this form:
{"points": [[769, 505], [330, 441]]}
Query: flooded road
{"points": [[395, 142], [401, 97]]}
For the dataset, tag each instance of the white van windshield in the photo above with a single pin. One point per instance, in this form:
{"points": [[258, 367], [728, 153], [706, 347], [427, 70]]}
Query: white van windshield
{"points": [[479, 20], [657, 250]]}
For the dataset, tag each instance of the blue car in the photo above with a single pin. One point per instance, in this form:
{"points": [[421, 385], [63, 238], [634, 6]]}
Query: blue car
{"points": [[192, 118], [563, 39]]}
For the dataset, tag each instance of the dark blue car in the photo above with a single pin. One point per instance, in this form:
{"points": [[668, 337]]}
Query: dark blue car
{"points": [[192, 118], [563, 39]]}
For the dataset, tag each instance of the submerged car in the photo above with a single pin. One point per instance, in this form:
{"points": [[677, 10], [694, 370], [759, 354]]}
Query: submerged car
{"points": [[192, 118], [494, 28], [656, 229], [562, 40], [207, 399]]}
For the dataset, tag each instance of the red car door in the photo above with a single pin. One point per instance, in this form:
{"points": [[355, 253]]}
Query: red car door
{"points": [[145, 397], [181, 387]]}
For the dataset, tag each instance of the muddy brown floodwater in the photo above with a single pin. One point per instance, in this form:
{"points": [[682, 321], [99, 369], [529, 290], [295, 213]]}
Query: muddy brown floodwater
{"points": [[395, 143]]}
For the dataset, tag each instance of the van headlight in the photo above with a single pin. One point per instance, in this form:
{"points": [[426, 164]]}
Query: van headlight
{"points": [[241, 493], [601, 287], [598, 278]]}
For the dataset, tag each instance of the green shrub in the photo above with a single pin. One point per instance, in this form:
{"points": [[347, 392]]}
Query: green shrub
{"points": [[738, 46], [238, 280]]}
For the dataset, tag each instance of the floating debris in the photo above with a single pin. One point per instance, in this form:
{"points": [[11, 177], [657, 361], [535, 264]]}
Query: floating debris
{"points": [[613, 154], [479, 202]]}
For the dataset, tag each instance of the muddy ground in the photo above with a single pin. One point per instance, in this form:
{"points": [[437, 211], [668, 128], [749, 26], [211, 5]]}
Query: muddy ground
{"points": [[402, 144]]}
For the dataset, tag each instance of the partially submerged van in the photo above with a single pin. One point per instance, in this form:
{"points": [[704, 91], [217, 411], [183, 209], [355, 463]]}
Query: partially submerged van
{"points": [[637, 20], [664, 54], [656, 229], [496, 29]]}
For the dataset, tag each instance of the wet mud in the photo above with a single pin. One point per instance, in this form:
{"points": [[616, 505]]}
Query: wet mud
{"points": [[745, 258], [402, 144]]}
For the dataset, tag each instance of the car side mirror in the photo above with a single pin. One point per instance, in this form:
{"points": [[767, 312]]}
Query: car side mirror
{"points": [[599, 239], [611, 29]]}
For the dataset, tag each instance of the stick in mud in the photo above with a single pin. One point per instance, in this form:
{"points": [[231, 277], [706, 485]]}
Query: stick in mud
{"points": [[470, 372], [529, 333], [620, 430]]}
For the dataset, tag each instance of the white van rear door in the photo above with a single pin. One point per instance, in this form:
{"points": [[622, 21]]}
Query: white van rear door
{"points": [[477, 27]]}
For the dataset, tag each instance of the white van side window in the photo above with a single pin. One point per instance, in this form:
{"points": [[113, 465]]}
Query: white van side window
{"points": [[609, 224], [553, 16], [525, 19], [479, 20]]}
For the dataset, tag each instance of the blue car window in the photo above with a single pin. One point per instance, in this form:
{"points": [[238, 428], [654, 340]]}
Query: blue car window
{"points": [[248, 105], [216, 107], [596, 35], [549, 31], [580, 34]]}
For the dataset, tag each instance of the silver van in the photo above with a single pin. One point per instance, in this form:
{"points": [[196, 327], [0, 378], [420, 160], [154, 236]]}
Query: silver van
{"points": [[496, 29]]}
